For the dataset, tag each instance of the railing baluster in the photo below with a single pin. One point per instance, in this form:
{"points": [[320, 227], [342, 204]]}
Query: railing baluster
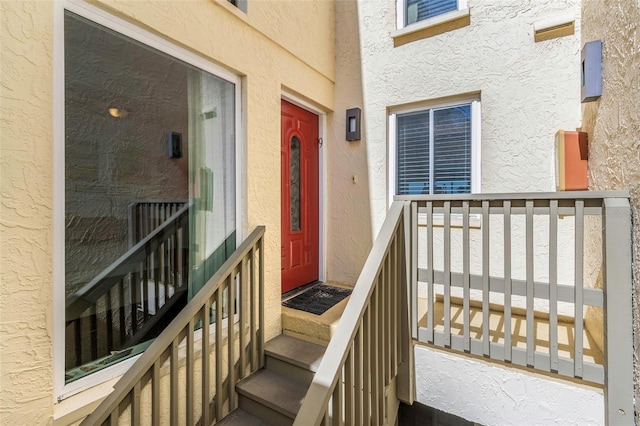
{"points": [[230, 341], [109, 312], [466, 277], [261, 304], [553, 284], [156, 278], [386, 288], [394, 284], [155, 394], [358, 370], [242, 294], [114, 416], [121, 309], [336, 411], [189, 373], [135, 279], [77, 329], [366, 379], [447, 274], [348, 389], [219, 314], [413, 291], [530, 295], [252, 308], [486, 318], [174, 380], [375, 359], [431, 301], [206, 350], [507, 279], [93, 332], [135, 405], [579, 283], [148, 265]]}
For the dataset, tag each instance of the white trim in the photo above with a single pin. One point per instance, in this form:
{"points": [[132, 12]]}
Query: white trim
{"points": [[476, 147], [99, 16], [240, 172], [476, 143], [393, 152], [403, 29], [58, 203], [322, 174]]}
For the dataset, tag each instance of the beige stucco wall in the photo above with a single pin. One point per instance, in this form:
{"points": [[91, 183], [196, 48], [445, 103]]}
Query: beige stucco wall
{"points": [[613, 121], [528, 91], [278, 45]]}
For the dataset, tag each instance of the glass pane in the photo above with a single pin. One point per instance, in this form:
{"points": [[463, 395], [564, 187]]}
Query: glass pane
{"points": [[452, 150], [149, 191], [419, 10], [294, 183], [413, 153]]}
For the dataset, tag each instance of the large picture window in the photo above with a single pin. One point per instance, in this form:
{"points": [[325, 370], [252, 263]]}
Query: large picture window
{"points": [[149, 190], [436, 149]]}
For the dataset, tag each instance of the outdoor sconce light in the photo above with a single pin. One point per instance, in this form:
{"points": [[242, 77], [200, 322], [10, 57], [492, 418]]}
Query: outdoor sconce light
{"points": [[591, 80], [353, 124], [175, 144]]}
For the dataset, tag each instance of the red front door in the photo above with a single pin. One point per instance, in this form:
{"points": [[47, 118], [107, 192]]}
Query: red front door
{"points": [[299, 161]]}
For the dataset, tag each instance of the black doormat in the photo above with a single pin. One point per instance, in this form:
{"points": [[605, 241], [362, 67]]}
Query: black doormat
{"points": [[318, 299]]}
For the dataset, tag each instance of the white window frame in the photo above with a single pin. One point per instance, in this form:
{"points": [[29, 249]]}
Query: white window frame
{"points": [[476, 143], [61, 390], [401, 13]]}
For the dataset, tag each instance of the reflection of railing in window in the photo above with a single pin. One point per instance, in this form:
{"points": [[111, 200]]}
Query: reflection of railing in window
{"points": [[123, 305]]}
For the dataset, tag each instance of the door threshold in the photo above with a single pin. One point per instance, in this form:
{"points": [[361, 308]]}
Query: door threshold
{"points": [[296, 291]]}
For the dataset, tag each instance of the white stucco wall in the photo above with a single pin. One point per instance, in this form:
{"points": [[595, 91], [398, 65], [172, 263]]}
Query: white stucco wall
{"points": [[492, 394], [528, 91]]}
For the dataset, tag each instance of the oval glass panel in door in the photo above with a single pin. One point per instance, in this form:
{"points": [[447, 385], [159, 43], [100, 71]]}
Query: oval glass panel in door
{"points": [[294, 183]]}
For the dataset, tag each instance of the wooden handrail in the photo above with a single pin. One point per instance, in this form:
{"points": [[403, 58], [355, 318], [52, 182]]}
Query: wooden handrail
{"points": [[244, 263]]}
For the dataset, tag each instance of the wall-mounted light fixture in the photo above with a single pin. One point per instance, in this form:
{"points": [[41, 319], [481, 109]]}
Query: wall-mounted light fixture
{"points": [[118, 112], [174, 141], [591, 71], [353, 124]]}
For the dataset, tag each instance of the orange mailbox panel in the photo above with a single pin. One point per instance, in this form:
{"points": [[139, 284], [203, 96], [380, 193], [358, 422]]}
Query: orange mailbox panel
{"points": [[571, 161]]}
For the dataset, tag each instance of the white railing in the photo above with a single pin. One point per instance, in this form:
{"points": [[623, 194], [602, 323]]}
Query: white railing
{"points": [[446, 265], [189, 380], [499, 275], [370, 349]]}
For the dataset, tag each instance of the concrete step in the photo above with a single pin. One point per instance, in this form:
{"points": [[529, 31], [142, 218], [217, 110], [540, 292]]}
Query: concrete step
{"points": [[314, 328], [241, 418], [293, 358], [272, 397]]}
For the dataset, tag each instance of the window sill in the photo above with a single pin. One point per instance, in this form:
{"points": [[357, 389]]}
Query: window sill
{"points": [[431, 27]]}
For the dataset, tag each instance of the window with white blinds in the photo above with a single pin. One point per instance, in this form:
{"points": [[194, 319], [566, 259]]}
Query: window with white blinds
{"points": [[419, 10], [434, 151]]}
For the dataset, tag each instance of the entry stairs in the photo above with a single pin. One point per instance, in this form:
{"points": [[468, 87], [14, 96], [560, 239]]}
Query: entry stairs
{"points": [[272, 396]]}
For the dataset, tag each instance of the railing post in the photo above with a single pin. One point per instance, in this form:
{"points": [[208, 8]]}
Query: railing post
{"points": [[406, 380], [618, 378]]}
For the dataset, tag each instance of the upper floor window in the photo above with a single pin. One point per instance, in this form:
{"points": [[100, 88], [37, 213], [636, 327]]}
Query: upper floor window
{"points": [[437, 150], [412, 11]]}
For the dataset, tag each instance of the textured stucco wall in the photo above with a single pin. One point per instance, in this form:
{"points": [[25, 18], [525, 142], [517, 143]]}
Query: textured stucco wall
{"points": [[492, 394], [257, 46], [613, 121], [528, 91]]}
